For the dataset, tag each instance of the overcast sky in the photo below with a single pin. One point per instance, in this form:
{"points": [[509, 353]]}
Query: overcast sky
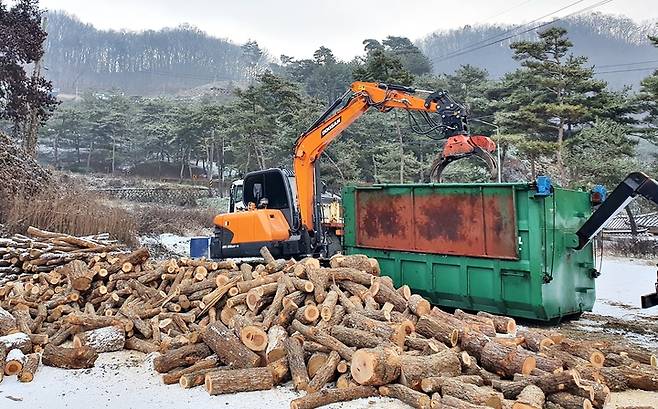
{"points": [[298, 27]]}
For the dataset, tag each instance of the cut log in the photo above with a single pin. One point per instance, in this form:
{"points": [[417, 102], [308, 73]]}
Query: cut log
{"points": [[298, 371], [550, 383], [356, 338], [276, 343], [29, 368], [80, 275], [432, 327], [471, 393], [357, 261], [3, 357], [503, 325], [407, 395], [414, 368], [506, 361], [328, 305], [308, 314], [345, 381], [137, 344], [597, 393], [328, 396], [7, 322], [23, 319], [174, 376], [419, 306], [313, 334], [14, 362], [69, 358], [108, 339], [316, 360], [375, 366], [569, 401], [197, 378], [228, 347], [279, 370], [535, 341], [325, 373], [581, 350], [183, 356], [531, 397], [452, 402], [392, 332], [238, 380], [17, 340]]}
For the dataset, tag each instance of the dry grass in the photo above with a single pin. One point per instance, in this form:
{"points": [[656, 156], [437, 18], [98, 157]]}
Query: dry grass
{"points": [[72, 210], [157, 219]]}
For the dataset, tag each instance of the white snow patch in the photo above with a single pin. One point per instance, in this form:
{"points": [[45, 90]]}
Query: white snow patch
{"points": [[174, 244], [620, 286], [121, 380]]}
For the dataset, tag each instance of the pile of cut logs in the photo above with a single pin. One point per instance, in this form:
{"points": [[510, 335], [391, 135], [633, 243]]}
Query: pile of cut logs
{"points": [[338, 333], [42, 251]]}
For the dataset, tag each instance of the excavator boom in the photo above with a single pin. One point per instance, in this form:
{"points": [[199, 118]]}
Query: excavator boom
{"points": [[383, 97]]}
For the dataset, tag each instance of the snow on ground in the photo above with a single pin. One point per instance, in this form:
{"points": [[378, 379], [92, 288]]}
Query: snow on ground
{"points": [[620, 286], [170, 244], [123, 380]]}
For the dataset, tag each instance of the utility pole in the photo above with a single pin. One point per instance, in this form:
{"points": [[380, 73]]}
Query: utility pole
{"points": [[31, 133]]}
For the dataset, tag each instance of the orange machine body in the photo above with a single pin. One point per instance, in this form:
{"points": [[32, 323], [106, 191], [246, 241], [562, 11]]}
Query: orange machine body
{"points": [[259, 225]]}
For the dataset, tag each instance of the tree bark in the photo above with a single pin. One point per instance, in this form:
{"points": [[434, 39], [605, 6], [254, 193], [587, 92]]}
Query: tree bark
{"points": [[298, 370], [471, 393], [407, 395], [531, 397], [183, 356], [107, 339], [69, 358], [328, 396], [228, 347], [375, 366], [239, 380], [29, 368], [413, 369], [325, 373]]}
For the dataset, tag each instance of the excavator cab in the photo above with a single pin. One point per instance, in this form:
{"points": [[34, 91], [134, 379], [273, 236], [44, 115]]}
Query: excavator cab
{"points": [[271, 219]]}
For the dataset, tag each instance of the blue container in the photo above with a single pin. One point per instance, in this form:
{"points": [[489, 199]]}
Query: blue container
{"points": [[199, 247]]}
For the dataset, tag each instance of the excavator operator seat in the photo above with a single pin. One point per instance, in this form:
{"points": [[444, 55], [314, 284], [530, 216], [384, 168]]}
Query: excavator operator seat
{"points": [[270, 189]]}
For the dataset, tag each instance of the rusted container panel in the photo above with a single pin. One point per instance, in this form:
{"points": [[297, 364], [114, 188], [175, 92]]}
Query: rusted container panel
{"points": [[449, 220]]}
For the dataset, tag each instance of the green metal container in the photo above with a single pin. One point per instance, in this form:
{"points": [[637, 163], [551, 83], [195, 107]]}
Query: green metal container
{"points": [[501, 247]]}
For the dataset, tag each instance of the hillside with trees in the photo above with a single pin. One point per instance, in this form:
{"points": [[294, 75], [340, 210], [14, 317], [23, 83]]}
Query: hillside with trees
{"points": [[609, 43], [81, 57], [546, 107]]}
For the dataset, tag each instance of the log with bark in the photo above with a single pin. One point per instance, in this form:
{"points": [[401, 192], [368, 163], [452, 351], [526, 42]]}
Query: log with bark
{"points": [[69, 358]]}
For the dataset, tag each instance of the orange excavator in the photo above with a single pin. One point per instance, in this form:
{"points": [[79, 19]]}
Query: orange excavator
{"points": [[284, 211]]}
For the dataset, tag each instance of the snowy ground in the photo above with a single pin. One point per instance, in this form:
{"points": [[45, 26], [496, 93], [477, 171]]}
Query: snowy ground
{"points": [[125, 380], [620, 286]]}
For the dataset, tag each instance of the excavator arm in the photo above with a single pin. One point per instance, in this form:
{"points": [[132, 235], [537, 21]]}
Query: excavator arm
{"points": [[355, 102], [636, 183]]}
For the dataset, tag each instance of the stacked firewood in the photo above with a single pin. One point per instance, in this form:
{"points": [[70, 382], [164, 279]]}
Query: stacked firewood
{"points": [[338, 333], [41, 251]]}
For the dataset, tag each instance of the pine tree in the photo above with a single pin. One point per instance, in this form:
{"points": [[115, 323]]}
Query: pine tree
{"points": [[552, 93]]}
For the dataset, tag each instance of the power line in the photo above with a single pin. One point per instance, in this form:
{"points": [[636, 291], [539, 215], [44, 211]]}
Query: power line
{"points": [[626, 64], [466, 47], [626, 70], [600, 3]]}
